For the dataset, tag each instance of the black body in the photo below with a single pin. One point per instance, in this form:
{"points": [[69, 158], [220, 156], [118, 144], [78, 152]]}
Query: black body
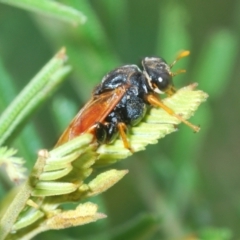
{"points": [[155, 77]]}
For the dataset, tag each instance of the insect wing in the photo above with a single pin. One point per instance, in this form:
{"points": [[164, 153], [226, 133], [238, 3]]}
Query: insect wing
{"points": [[96, 110]]}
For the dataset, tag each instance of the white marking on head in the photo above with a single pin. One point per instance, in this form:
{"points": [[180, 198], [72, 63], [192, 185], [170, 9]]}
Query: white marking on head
{"points": [[157, 90], [151, 58], [148, 79]]}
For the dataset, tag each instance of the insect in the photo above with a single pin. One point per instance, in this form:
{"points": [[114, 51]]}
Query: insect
{"points": [[122, 98]]}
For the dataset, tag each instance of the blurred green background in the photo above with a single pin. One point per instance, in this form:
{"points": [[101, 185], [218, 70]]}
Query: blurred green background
{"points": [[188, 184]]}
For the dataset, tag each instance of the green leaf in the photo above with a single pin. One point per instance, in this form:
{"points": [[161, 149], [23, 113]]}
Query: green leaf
{"points": [[157, 124], [42, 85], [13, 165], [50, 8]]}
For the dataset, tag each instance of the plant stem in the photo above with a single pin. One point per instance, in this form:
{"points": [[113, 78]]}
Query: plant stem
{"points": [[19, 202], [31, 96]]}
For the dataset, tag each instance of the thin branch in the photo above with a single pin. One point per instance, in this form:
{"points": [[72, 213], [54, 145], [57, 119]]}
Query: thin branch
{"points": [[33, 94]]}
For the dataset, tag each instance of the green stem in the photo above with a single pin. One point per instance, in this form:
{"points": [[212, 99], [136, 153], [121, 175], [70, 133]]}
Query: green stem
{"points": [[30, 97], [19, 202]]}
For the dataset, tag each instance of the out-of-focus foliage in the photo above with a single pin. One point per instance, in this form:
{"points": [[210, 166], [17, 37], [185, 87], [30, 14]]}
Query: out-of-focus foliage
{"points": [[188, 183]]}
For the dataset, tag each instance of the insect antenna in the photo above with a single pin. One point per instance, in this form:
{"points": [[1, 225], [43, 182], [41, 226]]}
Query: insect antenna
{"points": [[182, 54]]}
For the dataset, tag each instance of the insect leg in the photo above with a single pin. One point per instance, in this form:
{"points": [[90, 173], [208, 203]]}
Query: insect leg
{"points": [[104, 133], [154, 101], [122, 131], [100, 132]]}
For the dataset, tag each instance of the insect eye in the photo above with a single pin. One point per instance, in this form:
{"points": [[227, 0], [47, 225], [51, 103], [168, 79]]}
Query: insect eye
{"points": [[158, 74], [162, 81]]}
